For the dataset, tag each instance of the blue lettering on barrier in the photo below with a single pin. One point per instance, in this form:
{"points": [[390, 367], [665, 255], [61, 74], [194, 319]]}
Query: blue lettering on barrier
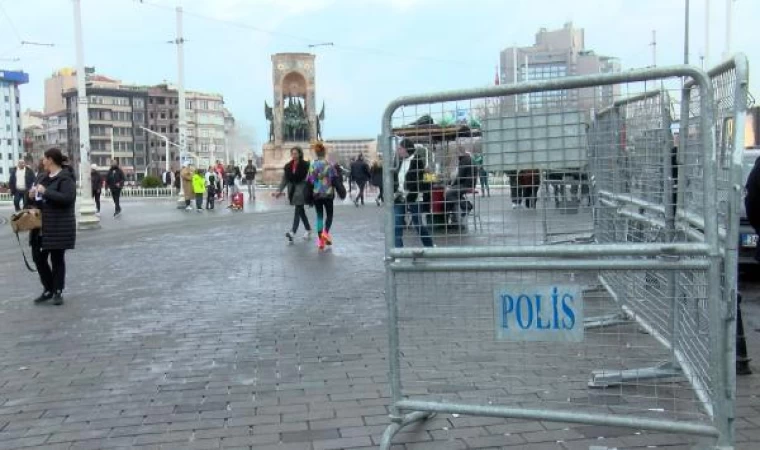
{"points": [[539, 313]]}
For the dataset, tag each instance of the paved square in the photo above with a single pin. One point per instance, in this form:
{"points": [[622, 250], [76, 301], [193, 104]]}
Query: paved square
{"points": [[190, 331]]}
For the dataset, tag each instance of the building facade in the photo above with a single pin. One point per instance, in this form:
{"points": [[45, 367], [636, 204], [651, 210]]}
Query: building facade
{"points": [[125, 109], [342, 151], [117, 114], [11, 133], [59, 82], [556, 54], [205, 127]]}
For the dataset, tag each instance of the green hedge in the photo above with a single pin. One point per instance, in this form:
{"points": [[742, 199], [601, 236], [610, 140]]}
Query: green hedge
{"points": [[151, 182]]}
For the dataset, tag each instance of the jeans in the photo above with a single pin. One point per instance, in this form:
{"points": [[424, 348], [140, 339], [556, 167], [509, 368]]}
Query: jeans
{"points": [[300, 216], [324, 205], [360, 196], [210, 197], [399, 210], [251, 189], [96, 197], [380, 195], [484, 187], [116, 194], [198, 201], [18, 197], [455, 204], [52, 275]]}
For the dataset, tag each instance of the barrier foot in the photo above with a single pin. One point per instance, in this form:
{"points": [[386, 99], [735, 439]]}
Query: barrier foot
{"points": [[607, 378], [395, 427], [742, 361], [605, 321]]}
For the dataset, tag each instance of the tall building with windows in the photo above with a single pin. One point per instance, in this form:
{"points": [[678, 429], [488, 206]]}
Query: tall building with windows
{"points": [[206, 131], [343, 150], [11, 134], [117, 114], [205, 126], [556, 54]]}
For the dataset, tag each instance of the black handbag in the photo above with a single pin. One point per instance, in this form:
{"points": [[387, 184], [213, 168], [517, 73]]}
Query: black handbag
{"points": [[337, 183], [308, 194]]}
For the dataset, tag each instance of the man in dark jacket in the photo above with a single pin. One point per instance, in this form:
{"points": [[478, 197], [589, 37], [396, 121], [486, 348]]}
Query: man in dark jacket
{"points": [[96, 184], [752, 201], [360, 174], [20, 182], [463, 182], [408, 184], [250, 179], [115, 179]]}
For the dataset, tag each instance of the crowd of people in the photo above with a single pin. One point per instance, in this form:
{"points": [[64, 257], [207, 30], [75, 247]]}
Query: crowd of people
{"points": [[216, 183], [307, 183]]}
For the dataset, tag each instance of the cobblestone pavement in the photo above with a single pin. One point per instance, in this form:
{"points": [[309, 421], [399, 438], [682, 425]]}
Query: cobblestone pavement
{"points": [[203, 331]]}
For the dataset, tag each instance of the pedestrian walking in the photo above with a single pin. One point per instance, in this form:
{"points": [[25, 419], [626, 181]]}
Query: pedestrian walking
{"points": [[115, 179], [485, 189], [199, 188], [408, 183], [321, 176], [55, 195], [529, 181], [376, 178], [250, 179], [210, 180], [294, 179], [186, 175], [96, 186], [177, 181], [20, 182], [360, 174], [462, 183]]}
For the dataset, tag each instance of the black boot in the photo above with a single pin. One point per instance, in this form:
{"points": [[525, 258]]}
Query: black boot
{"points": [[45, 296], [58, 298]]}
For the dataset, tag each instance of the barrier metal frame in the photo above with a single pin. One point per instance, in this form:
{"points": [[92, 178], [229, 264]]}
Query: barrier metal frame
{"points": [[405, 412]]}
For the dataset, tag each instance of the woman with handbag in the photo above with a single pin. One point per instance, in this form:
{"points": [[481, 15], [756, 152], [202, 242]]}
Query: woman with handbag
{"points": [[55, 195], [322, 176], [294, 178]]}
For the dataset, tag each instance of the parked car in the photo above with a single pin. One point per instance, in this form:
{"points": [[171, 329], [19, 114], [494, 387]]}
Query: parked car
{"points": [[748, 239]]}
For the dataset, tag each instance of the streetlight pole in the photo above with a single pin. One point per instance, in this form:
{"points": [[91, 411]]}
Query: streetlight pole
{"points": [[707, 34], [686, 34], [166, 143], [87, 218], [729, 24], [181, 98]]}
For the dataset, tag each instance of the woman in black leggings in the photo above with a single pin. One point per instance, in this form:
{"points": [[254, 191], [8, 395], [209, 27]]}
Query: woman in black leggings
{"points": [[321, 176], [55, 195], [294, 178]]}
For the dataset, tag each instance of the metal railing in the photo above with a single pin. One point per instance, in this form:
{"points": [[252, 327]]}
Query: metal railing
{"points": [[507, 323]]}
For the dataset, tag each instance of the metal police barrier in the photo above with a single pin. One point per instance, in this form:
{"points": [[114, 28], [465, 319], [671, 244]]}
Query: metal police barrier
{"points": [[497, 323]]}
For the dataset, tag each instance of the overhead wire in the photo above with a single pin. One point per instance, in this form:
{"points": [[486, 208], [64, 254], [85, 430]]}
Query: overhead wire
{"points": [[309, 40]]}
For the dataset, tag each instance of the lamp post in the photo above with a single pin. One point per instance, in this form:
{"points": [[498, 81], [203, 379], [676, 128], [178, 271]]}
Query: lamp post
{"points": [[167, 143], [181, 97], [87, 218]]}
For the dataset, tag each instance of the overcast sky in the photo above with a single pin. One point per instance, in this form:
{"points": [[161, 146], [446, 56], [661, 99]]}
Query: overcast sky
{"points": [[383, 48]]}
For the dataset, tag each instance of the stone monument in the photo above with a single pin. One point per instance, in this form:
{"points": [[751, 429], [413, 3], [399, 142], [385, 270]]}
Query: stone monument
{"points": [[293, 118]]}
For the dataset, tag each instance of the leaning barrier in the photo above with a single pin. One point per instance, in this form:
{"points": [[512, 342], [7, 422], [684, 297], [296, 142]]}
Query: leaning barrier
{"points": [[631, 326]]}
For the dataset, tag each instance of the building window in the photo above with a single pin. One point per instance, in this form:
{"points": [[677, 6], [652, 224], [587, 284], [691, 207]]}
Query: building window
{"points": [[163, 116], [163, 129]]}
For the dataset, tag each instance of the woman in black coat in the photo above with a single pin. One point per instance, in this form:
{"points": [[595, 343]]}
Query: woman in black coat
{"points": [[294, 179], [55, 195]]}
